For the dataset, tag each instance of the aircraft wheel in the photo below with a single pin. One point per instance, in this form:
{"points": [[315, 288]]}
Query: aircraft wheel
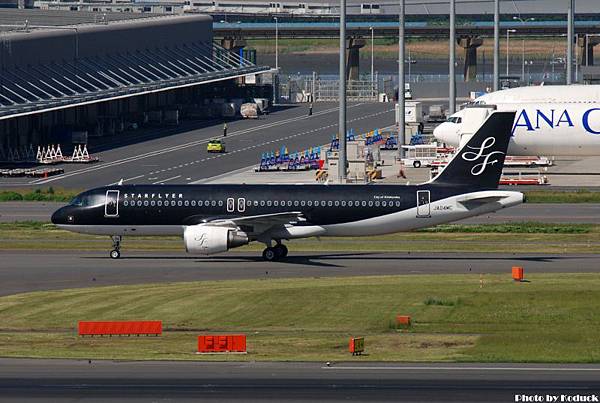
{"points": [[270, 254], [282, 250], [115, 254], [417, 164]]}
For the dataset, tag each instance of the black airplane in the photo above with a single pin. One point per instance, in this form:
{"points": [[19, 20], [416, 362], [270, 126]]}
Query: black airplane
{"points": [[216, 218]]}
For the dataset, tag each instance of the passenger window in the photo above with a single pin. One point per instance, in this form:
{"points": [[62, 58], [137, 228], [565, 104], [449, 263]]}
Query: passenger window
{"points": [[343, 203], [193, 203], [186, 203], [295, 203], [268, 203], [289, 203], [152, 203], [276, 203], [145, 203], [180, 203], [160, 203], [262, 203], [302, 203], [248, 203], [139, 203], [370, 203], [309, 203], [255, 203], [384, 203], [330, 203], [364, 203], [323, 203], [337, 203], [213, 203], [220, 203], [398, 204], [376, 204]]}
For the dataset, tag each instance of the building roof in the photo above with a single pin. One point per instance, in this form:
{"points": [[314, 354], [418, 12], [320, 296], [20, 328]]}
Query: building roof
{"points": [[95, 79], [13, 18], [61, 66]]}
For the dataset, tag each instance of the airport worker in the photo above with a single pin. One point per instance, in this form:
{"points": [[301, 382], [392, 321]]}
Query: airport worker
{"points": [[310, 108], [225, 130]]}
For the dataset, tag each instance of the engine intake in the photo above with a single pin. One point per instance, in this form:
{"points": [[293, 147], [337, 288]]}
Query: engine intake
{"points": [[208, 239]]}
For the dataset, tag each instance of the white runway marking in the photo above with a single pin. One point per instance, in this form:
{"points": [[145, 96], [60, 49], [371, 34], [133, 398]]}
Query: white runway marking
{"points": [[431, 368], [166, 180]]}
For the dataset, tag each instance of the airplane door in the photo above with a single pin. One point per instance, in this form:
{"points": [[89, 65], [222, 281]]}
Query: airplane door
{"points": [[423, 206], [111, 205]]}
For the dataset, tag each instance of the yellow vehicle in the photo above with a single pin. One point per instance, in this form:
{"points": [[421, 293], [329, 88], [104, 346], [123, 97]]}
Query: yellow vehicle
{"points": [[215, 146]]}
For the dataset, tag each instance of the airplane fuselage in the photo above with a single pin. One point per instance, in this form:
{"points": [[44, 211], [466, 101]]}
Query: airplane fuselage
{"points": [[337, 210], [550, 120]]}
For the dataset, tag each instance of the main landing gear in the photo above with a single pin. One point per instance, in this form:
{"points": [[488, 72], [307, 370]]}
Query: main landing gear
{"points": [[116, 252], [273, 253]]}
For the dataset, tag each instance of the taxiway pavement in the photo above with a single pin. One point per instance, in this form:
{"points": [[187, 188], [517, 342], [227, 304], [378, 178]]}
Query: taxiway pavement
{"points": [[549, 213], [23, 271], [178, 155], [93, 381]]}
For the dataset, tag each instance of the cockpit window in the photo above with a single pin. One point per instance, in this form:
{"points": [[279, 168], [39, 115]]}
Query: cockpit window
{"points": [[85, 200], [77, 201], [454, 119]]}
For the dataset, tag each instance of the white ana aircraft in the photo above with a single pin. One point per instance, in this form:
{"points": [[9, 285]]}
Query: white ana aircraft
{"points": [[550, 120]]}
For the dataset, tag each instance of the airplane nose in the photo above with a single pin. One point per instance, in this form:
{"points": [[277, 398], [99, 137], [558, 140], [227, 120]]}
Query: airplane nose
{"points": [[61, 216], [444, 134]]}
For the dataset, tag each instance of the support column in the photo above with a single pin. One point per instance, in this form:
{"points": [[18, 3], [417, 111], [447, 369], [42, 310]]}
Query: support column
{"points": [[470, 44], [353, 46], [234, 45], [586, 45]]}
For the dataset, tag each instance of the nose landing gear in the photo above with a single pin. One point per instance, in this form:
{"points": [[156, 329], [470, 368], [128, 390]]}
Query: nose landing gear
{"points": [[116, 252], [277, 252]]}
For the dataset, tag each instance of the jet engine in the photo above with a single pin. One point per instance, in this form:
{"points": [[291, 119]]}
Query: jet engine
{"points": [[208, 239]]}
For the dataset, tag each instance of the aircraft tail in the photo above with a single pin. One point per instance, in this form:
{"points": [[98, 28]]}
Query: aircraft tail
{"points": [[479, 162]]}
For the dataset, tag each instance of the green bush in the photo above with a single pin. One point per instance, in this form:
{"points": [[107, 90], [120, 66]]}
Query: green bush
{"points": [[10, 196]]}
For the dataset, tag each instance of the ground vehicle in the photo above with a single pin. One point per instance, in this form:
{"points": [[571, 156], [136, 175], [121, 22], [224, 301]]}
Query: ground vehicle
{"points": [[215, 146]]}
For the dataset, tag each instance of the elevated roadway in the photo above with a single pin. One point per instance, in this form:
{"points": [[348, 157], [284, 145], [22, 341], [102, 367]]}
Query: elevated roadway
{"points": [[387, 29]]}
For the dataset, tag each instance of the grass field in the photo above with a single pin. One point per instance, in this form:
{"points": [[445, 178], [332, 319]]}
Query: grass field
{"points": [[500, 238], [552, 318], [420, 48]]}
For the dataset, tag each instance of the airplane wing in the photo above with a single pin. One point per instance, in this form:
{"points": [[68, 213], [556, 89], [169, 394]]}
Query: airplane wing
{"points": [[259, 223]]}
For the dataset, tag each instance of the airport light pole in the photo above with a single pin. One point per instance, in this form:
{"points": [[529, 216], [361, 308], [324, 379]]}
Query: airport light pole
{"points": [[570, 34], [529, 63], [372, 54], [508, 32], [496, 44], [401, 104], [523, 21], [452, 60], [276, 43], [342, 95]]}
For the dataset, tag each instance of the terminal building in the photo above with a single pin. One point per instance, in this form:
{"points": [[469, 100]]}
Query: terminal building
{"points": [[64, 80]]}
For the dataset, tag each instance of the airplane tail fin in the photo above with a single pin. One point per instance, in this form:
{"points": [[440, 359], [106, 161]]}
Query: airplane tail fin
{"points": [[479, 162]]}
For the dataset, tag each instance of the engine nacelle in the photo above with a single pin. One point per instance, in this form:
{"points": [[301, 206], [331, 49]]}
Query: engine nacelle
{"points": [[208, 239]]}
